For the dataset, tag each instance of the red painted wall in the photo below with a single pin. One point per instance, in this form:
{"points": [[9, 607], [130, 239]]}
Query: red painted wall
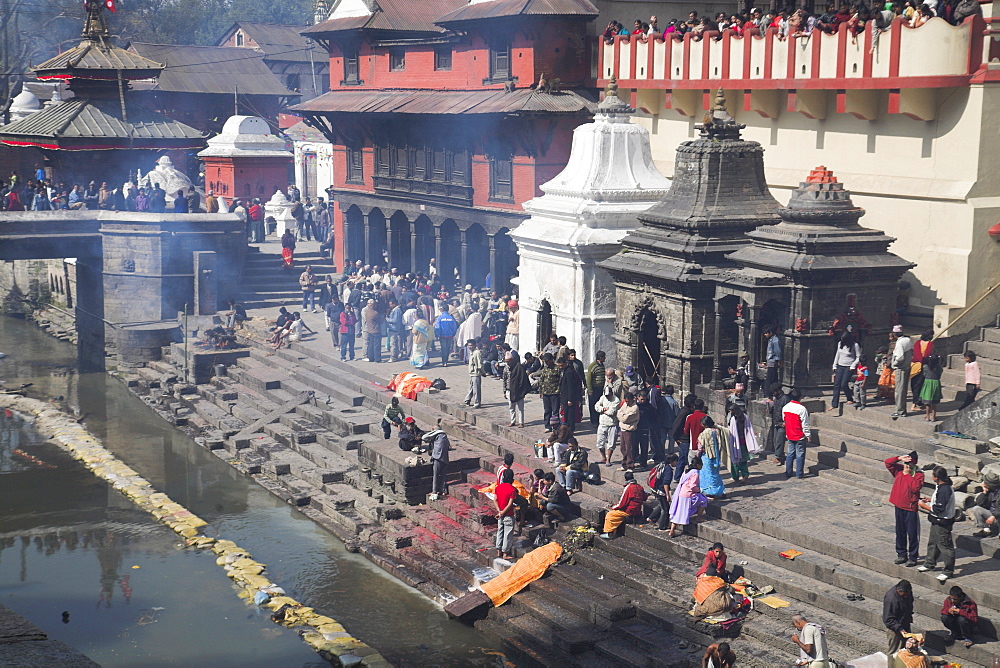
{"points": [[246, 177], [556, 47]]}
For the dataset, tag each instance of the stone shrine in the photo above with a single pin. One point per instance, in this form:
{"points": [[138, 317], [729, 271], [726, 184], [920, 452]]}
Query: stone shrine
{"points": [[245, 160], [666, 273], [718, 262], [825, 268], [580, 220]]}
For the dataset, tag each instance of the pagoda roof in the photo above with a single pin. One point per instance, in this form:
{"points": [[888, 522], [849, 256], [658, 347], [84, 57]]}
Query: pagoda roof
{"points": [[81, 124], [210, 69], [94, 58], [279, 42], [508, 8], [389, 15], [492, 101]]}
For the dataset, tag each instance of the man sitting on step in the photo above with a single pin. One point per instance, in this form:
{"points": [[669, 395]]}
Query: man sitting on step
{"points": [[629, 505]]}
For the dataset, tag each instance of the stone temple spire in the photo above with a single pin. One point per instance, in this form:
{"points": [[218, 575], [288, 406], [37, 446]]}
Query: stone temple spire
{"points": [[717, 123], [819, 236], [580, 220]]}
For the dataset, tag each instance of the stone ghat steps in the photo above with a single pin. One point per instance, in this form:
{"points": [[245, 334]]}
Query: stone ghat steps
{"points": [[337, 489], [665, 569], [524, 454], [819, 582]]}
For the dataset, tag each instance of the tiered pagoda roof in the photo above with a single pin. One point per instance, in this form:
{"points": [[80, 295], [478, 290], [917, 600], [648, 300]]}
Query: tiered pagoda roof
{"points": [[101, 116]]}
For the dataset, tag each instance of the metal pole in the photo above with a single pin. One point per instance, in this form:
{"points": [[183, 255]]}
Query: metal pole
{"points": [[312, 66]]}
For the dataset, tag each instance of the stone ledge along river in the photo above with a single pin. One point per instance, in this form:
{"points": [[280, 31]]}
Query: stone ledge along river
{"points": [[135, 597]]}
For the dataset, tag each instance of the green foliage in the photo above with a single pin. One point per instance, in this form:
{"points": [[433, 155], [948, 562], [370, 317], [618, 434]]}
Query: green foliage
{"points": [[199, 21]]}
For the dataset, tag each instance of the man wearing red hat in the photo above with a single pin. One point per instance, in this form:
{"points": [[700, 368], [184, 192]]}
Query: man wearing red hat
{"points": [[513, 338]]}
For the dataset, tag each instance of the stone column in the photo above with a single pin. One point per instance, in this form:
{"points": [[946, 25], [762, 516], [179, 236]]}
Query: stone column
{"points": [[413, 250], [464, 262], [753, 336], [368, 239], [388, 242], [205, 283], [493, 264], [717, 352], [437, 248]]}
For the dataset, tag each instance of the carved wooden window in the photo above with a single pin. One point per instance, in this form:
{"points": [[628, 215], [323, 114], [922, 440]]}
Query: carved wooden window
{"points": [[352, 71], [501, 179], [442, 58], [355, 165], [397, 59]]}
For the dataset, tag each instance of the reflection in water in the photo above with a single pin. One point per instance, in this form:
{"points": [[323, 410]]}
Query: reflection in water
{"points": [[69, 542]]}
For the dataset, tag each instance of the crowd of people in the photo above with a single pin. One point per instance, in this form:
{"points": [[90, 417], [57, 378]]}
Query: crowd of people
{"points": [[799, 23]]}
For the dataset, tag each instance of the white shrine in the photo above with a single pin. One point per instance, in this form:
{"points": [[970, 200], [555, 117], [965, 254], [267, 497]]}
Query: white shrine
{"points": [[581, 220]]}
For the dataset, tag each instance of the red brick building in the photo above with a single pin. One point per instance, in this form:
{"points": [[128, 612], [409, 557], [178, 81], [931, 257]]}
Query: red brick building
{"points": [[439, 126]]}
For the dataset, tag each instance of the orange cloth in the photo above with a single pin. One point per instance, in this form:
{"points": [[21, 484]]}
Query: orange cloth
{"points": [[705, 586], [790, 554], [528, 568], [408, 384]]}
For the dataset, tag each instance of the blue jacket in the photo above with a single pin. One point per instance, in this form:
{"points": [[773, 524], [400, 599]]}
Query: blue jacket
{"points": [[445, 325]]}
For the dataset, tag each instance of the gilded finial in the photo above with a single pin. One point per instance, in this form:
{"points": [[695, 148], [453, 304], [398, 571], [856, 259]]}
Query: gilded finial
{"points": [[612, 87]]}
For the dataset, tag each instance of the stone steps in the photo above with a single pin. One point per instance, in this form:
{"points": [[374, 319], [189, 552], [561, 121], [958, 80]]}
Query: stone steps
{"points": [[490, 440], [672, 579]]}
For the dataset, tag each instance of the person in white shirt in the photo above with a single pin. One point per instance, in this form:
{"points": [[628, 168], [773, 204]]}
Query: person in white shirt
{"points": [[902, 356], [811, 639], [845, 360]]}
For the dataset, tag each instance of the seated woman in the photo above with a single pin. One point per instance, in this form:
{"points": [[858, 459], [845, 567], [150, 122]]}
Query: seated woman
{"points": [[912, 655], [410, 435], [714, 564]]}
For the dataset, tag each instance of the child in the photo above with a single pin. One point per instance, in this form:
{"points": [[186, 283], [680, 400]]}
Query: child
{"points": [[972, 379], [860, 381], [886, 379], [930, 391]]}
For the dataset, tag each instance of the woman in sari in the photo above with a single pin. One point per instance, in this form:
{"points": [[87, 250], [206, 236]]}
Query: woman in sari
{"points": [[742, 444], [423, 334], [688, 501], [714, 446]]}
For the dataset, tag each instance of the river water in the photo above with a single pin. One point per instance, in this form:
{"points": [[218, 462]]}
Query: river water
{"points": [[70, 543]]}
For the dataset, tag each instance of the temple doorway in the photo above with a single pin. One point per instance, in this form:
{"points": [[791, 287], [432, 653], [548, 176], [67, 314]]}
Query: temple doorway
{"points": [[649, 344], [544, 328]]}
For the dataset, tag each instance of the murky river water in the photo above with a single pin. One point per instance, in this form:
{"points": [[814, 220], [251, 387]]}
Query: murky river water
{"points": [[68, 542]]}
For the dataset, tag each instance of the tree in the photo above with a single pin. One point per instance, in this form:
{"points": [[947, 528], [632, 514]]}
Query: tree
{"points": [[201, 21], [32, 31]]}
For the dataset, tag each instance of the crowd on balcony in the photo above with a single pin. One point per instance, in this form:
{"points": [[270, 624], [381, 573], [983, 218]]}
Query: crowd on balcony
{"points": [[800, 23]]}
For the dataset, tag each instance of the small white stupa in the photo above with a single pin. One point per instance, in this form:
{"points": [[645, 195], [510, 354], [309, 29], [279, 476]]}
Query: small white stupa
{"points": [[245, 137], [23, 105], [581, 220], [170, 178]]}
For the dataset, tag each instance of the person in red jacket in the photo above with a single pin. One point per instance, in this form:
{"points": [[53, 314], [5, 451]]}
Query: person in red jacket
{"points": [[715, 563], [693, 428], [960, 615], [629, 505], [905, 496], [506, 493]]}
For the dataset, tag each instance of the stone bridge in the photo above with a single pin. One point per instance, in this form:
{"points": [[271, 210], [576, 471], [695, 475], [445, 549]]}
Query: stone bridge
{"points": [[135, 271]]}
